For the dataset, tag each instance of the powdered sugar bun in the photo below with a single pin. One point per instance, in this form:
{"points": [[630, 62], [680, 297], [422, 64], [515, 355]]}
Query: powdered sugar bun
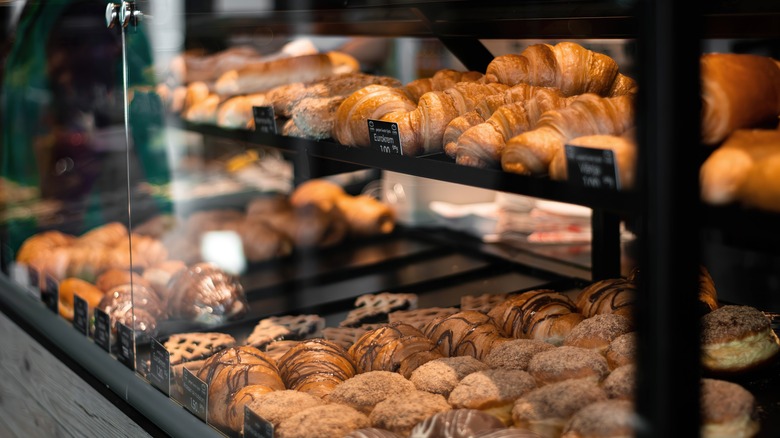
{"points": [[567, 362], [545, 410], [492, 391], [621, 382], [622, 350], [598, 331], [440, 376], [727, 410], [737, 338], [608, 418], [516, 354], [399, 413], [277, 406], [328, 420], [365, 390]]}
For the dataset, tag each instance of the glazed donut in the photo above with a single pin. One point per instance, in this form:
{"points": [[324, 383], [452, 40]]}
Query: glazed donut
{"points": [[229, 370], [546, 409], [607, 418], [492, 391], [727, 410], [612, 295], [621, 382], [737, 338], [598, 331], [541, 314], [622, 350], [397, 347], [466, 333], [516, 354], [328, 420], [440, 376], [456, 423], [316, 366], [399, 413], [567, 362], [365, 390]]}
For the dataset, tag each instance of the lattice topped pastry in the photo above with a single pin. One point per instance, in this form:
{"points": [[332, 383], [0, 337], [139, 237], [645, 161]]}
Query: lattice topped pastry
{"points": [[186, 347], [420, 317], [373, 308], [344, 336], [482, 303], [288, 327]]}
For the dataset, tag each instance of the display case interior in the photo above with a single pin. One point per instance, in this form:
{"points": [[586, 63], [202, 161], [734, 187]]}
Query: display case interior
{"points": [[294, 184]]}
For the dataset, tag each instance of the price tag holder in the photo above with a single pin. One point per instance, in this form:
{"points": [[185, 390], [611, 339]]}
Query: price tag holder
{"points": [[126, 352], [384, 137], [160, 367], [20, 275], [196, 395], [50, 294], [265, 121], [256, 426], [35, 282], [102, 334], [80, 315], [592, 167]]}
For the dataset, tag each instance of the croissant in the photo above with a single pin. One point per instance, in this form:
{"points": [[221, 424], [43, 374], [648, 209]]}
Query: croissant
{"points": [[366, 215], [440, 81], [738, 91], [483, 144], [567, 66], [316, 366], [422, 129], [623, 147], [531, 152], [370, 102]]}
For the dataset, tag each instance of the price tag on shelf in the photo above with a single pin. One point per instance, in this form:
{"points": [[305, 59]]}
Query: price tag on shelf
{"points": [[265, 121], [384, 137], [126, 352], [50, 294], [256, 426], [196, 395], [160, 367], [80, 314], [20, 275], [35, 282], [102, 335], [592, 167]]}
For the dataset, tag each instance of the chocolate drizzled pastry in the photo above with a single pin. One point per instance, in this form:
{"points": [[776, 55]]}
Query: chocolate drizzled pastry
{"points": [[612, 295], [207, 294], [542, 314], [316, 366], [396, 347], [456, 423], [466, 333]]}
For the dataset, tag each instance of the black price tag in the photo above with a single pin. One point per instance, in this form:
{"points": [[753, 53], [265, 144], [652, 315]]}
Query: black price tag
{"points": [[592, 167], [102, 334], [384, 137], [35, 282], [256, 426], [160, 368], [20, 275], [50, 294], [196, 394], [265, 121], [126, 353], [80, 314]]}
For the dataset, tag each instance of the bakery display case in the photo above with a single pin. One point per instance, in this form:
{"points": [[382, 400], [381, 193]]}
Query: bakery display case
{"points": [[214, 210]]}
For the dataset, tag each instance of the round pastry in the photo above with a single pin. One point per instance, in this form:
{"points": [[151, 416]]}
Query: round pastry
{"points": [[365, 390], [456, 423], [328, 420], [566, 362], [277, 406], [598, 331], [114, 277], [492, 391], [397, 347], [243, 397], [737, 338], [607, 418], [466, 333], [727, 410], [545, 410], [622, 350], [372, 432], [75, 286], [621, 382], [440, 376], [159, 275], [516, 354], [108, 234], [541, 314], [205, 293], [229, 370], [399, 413], [508, 433], [137, 307], [316, 366], [317, 191], [612, 295]]}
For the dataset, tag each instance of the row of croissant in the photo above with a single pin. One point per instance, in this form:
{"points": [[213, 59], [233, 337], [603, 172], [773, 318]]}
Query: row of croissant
{"points": [[517, 115]]}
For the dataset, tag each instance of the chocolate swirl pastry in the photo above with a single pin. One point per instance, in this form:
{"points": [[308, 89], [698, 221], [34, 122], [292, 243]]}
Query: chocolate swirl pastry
{"points": [[206, 294], [397, 347], [541, 314], [230, 370], [466, 333], [316, 366], [456, 423], [612, 295], [137, 307]]}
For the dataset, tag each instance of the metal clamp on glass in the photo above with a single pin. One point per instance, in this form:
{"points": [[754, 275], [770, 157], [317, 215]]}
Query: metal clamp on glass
{"points": [[124, 13]]}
